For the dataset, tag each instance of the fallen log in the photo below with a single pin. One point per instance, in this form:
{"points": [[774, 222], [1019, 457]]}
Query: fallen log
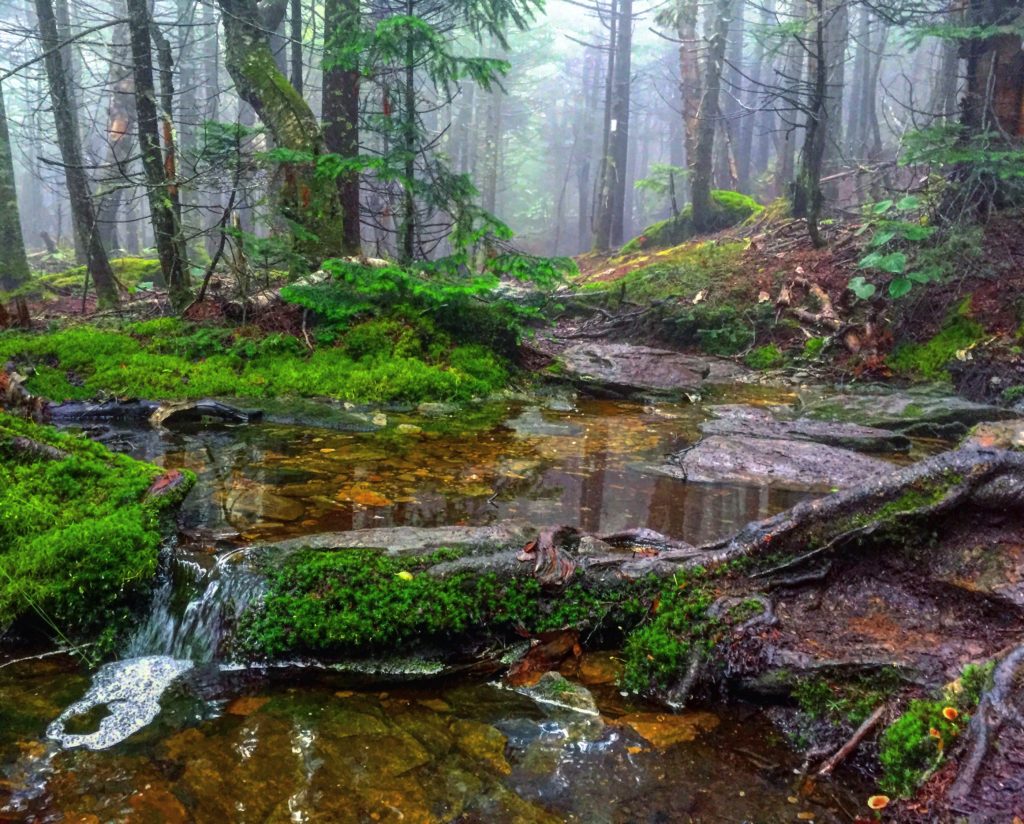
{"points": [[137, 412]]}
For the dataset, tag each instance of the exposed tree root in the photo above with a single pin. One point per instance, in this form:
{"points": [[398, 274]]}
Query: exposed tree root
{"points": [[994, 710], [984, 478]]}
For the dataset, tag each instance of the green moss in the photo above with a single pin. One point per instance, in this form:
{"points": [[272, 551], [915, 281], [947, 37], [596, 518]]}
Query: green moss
{"points": [[130, 271], [929, 359], [77, 542], [375, 362], [845, 702], [813, 348], [916, 743], [731, 208], [765, 357], [658, 653], [357, 601]]}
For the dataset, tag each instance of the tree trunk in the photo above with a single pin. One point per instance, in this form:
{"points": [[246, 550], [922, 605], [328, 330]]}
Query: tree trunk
{"points": [[310, 202], [71, 72], [837, 33], [159, 182], [792, 78], [994, 98], [295, 19], [702, 163], [83, 214], [602, 220], [752, 159], [807, 196], [619, 148], [120, 138], [408, 227], [13, 263], [341, 108]]}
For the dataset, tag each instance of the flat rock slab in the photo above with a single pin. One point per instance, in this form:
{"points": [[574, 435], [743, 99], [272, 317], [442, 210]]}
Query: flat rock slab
{"points": [[912, 413], [401, 539], [787, 464], [617, 369], [755, 422]]}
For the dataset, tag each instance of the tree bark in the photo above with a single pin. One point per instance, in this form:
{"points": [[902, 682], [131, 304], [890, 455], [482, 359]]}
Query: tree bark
{"points": [[308, 201], [83, 213], [120, 138], [341, 108], [619, 148], [702, 162], [295, 20], [602, 218], [160, 185], [807, 195], [13, 263]]}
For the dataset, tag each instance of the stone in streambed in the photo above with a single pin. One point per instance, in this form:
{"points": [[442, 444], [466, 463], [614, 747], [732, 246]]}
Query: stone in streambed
{"points": [[787, 464], [619, 369], [755, 422]]}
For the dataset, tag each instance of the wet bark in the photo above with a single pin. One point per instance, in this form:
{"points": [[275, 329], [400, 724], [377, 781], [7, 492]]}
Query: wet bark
{"points": [[807, 194], [307, 200], [708, 116]]}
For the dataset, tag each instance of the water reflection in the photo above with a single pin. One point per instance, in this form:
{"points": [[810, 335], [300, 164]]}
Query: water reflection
{"points": [[584, 467]]}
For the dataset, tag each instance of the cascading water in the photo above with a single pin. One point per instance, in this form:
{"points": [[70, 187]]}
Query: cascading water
{"points": [[195, 608]]}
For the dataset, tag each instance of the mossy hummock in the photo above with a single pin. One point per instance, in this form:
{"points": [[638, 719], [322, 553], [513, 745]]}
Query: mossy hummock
{"points": [[79, 537], [731, 209]]}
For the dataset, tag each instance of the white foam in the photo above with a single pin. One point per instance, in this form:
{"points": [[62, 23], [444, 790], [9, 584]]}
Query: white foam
{"points": [[130, 690]]}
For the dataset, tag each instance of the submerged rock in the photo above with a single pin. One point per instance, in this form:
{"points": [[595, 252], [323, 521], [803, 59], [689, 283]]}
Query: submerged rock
{"points": [[789, 464], [752, 421], [912, 413], [618, 369], [997, 435]]}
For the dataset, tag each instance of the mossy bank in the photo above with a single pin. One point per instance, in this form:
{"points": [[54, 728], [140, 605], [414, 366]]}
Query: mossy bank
{"points": [[79, 537]]}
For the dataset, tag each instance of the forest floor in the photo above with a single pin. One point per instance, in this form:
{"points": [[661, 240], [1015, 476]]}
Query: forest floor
{"points": [[758, 291]]}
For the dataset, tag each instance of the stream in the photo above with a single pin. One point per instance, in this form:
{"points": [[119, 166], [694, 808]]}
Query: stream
{"points": [[176, 732]]}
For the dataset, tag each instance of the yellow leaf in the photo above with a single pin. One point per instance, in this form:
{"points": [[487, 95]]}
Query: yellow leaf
{"points": [[405, 575]]}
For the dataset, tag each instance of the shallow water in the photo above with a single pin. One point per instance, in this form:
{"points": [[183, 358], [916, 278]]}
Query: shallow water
{"points": [[583, 466], [310, 744]]}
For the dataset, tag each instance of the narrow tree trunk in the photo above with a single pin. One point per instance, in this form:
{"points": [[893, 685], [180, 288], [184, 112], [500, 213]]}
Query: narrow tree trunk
{"points": [[13, 263], [120, 138], [619, 148], [702, 163], [807, 196], [751, 157], [69, 61], [408, 227], [341, 108], [837, 33], [602, 220], [793, 78], [83, 214], [295, 20], [856, 96]]}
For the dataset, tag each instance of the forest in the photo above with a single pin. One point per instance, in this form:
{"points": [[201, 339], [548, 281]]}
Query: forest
{"points": [[514, 410]]}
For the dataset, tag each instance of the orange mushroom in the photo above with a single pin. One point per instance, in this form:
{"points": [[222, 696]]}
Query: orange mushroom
{"points": [[878, 802], [950, 713]]}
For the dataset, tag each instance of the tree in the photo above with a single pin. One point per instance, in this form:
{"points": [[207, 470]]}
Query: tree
{"points": [[83, 214], [342, 46], [707, 117], [13, 262], [159, 169]]}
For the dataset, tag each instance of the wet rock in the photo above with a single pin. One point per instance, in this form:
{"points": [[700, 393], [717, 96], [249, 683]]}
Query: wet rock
{"points": [[402, 539], [997, 435], [481, 743], [200, 412], [922, 413], [532, 423], [554, 689], [755, 422], [786, 464], [619, 369], [155, 414]]}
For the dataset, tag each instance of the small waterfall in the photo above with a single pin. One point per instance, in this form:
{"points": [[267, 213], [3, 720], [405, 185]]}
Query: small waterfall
{"points": [[194, 610]]}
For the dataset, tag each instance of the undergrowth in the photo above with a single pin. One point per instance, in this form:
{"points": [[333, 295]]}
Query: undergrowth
{"points": [[917, 742], [374, 361]]}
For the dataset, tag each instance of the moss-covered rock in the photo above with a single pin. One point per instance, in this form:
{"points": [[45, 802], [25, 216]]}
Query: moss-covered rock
{"points": [[78, 536], [731, 208]]}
